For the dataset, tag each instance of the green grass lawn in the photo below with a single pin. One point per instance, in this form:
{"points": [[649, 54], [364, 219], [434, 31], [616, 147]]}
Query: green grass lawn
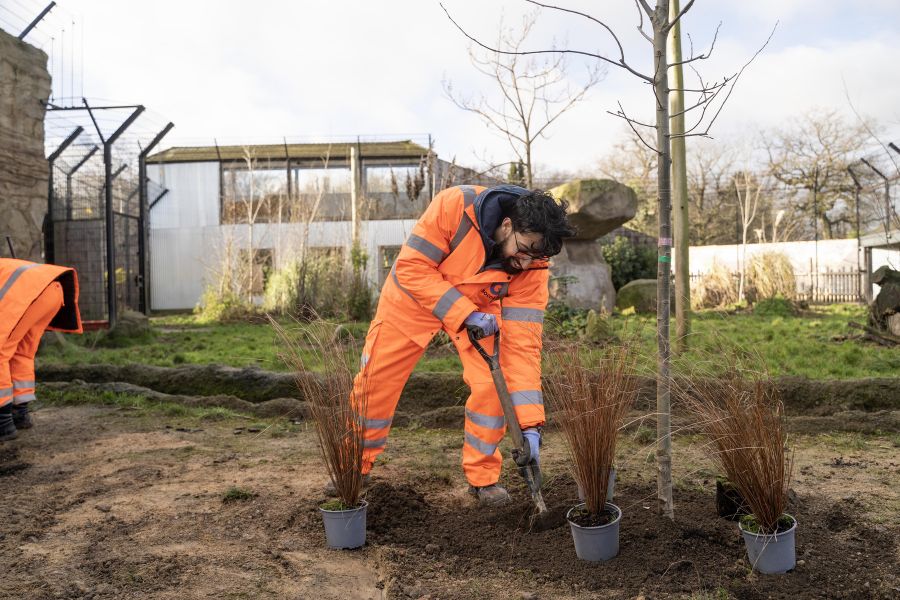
{"points": [[790, 345]]}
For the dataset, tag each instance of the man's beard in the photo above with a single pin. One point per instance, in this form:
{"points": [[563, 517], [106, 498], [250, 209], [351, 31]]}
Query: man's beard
{"points": [[506, 263], [509, 267]]}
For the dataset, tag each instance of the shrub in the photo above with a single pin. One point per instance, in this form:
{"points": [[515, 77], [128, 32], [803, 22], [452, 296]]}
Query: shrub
{"points": [[715, 289], [591, 396], [217, 305], [770, 274], [742, 413], [628, 261], [321, 285], [774, 307]]}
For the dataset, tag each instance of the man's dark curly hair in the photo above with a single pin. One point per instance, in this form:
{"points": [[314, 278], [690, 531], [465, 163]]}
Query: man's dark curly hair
{"points": [[539, 212]]}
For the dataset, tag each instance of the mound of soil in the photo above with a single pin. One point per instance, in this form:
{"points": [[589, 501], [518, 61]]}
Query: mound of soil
{"points": [[658, 557]]}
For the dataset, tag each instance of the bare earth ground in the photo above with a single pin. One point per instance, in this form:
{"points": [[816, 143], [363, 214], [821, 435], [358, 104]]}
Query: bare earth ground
{"points": [[105, 502]]}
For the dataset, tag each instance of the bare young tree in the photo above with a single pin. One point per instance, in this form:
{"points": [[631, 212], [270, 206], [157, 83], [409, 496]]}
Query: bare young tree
{"points": [[747, 190], [534, 92], [708, 98]]}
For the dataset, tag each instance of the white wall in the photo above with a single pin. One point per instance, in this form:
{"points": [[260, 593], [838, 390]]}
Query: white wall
{"points": [[186, 238], [193, 198], [834, 255]]}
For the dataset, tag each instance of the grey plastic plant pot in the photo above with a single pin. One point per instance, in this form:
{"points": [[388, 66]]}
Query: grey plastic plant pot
{"points": [[771, 553], [610, 486], [345, 529], [596, 544]]}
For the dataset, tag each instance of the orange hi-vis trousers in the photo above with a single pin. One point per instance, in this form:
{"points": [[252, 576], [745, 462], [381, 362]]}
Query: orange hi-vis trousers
{"points": [[390, 357], [18, 350]]}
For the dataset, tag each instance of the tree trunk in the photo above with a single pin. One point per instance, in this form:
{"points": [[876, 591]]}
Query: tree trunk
{"points": [[679, 191], [664, 265]]}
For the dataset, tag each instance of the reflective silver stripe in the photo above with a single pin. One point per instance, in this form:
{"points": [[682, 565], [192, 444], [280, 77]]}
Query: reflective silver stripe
{"points": [[18, 385], [363, 360], [485, 420], [531, 315], [23, 398], [397, 282], [12, 278], [468, 195], [446, 302], [526, 397], [464, 226], [6, 392], [374, 423], [376, 443], [481, 446], [425, 247]]}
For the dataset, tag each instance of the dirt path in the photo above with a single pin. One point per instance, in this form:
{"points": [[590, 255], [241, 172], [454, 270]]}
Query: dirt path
{"points": [[111, 503]]}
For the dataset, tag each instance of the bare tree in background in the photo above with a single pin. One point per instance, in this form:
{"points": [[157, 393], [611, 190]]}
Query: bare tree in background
{"points": [[534, 92], [632, 162], [708, 98], [747, 192], [811, 158]]}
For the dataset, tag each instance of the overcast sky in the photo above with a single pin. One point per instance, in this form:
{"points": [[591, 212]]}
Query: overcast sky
{"points": [[257, 71]]}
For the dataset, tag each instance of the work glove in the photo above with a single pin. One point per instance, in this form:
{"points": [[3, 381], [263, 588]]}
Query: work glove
{"points": [[481, 324], [533, 435]]}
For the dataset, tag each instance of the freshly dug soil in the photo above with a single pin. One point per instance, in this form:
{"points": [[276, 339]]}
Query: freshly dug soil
{"points": [[658, 558]]}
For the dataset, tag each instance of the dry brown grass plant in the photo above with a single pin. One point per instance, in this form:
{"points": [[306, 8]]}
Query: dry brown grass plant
{"points": [[591, 393], [715, 289], [770, 275], [336, 408], [741, 412]]}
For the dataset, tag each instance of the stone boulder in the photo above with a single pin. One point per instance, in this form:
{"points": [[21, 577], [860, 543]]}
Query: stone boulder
{"points": [[581, 279], [884, 313], [597, 206], [639, 294]]}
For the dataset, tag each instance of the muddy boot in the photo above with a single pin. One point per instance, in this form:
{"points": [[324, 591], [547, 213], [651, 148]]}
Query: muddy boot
{"points": [[330, 490], [490, 495], [7, 427], [22, 416]]}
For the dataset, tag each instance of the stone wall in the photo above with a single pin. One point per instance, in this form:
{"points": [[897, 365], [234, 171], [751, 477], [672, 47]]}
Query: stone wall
{"points": [[24, 87]]}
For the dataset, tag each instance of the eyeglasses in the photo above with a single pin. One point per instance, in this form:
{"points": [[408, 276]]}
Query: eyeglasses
{"points": [[527, 253]]}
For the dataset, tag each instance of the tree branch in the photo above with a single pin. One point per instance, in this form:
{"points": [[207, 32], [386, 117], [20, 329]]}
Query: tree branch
{"points": [[703, 56], [686, 8], [620, 64]]}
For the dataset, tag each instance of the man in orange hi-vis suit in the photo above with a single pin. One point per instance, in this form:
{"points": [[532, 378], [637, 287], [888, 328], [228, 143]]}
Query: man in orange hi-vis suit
{"points": [[33, 298], [477, 259]]}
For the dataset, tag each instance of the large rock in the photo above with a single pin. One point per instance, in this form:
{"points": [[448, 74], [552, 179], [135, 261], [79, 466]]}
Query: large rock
{"points": [[24, 87], [581, 279], [884, 313], [597, 206], [639, 294]]}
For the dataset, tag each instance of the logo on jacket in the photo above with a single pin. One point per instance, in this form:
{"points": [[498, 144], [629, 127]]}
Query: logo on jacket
{"points": [[496, 290]]}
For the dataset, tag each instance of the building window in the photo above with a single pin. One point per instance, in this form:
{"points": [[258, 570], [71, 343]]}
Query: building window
{"points": [[395, 182], [254, 192]]}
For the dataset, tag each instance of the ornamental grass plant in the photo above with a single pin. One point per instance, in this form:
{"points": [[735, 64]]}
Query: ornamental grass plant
{"points": [[741, 412], [590, 394], [337, 399]]}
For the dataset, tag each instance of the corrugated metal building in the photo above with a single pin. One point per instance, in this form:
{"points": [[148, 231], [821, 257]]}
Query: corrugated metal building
{"points": [[212, 193]]}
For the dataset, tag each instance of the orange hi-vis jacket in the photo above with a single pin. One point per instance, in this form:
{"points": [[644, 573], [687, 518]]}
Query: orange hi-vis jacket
{"points": [[438, 280], [33, 298], [21, 282]]}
